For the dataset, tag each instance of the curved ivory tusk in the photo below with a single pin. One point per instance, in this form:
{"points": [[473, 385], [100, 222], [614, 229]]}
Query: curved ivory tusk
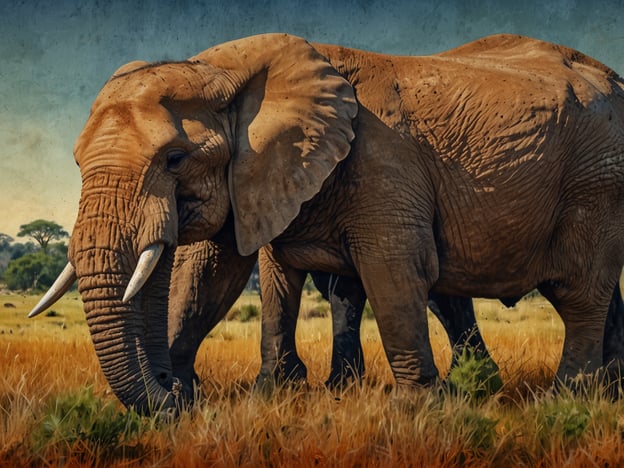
{"points": [[147, 262], [60, 287]]}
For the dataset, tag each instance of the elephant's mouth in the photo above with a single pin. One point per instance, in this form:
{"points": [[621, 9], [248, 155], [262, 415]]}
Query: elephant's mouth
{"points": [[193, 219], [187, 210]]}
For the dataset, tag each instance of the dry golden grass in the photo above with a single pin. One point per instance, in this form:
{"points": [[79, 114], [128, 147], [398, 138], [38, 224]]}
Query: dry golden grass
{"points": [[365, 425]]}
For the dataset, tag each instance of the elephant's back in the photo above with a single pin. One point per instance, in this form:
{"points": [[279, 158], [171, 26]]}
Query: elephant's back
{"points": [[546, 62], [505, 75], [523, 50]]}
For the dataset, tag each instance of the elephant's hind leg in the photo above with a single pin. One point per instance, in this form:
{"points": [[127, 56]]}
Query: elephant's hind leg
{"points": [[397, 285], [613, 348], [583, 313], [457, 316]]}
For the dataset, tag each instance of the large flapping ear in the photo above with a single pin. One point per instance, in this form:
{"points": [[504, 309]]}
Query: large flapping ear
{"points": [[294, 117]]}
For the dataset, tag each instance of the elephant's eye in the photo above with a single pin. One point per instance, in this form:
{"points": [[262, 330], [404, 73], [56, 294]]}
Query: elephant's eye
{"points": [[175, 158]]}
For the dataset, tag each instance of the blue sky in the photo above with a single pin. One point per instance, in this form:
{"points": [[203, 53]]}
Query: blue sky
{"points": [[55, 55]]}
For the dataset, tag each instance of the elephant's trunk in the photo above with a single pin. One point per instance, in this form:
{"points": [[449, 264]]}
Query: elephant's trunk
{"points": [[130, 337]]}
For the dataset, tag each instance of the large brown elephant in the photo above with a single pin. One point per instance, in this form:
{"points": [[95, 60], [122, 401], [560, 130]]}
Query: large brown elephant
{"points": [[487, 170]]}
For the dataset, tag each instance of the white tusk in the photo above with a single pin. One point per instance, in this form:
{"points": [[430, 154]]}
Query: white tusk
{"points": [[147, 262], [60, 287]]}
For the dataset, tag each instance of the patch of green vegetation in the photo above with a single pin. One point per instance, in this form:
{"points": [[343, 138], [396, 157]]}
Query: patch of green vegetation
{"points": [[566, 418], [14, 319], [477, 430], [475, 375], [320, 310], [85, 419]]}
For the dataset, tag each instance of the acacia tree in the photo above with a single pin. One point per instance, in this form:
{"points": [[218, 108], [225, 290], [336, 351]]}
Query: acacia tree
{"points": [[43, 232], [33, 268]]}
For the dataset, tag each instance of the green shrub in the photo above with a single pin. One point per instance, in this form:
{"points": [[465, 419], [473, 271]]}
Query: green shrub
{"points": [[565, 417], [321, 309], [33, 271], [475, 375], [81, 417], [477, 431]]}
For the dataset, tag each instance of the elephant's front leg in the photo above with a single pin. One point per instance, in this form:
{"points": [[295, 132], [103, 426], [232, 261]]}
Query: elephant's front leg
{"points": [[207, 279], [347, 299], [281, 288]]}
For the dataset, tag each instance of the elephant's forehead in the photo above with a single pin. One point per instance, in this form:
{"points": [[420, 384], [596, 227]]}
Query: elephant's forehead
{"points": [[144, 85], [124, 130]]}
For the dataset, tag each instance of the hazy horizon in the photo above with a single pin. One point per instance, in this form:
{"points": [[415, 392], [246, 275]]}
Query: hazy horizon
{"points": [[55, 56]]}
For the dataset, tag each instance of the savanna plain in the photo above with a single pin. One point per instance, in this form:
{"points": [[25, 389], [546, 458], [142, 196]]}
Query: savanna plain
{"points": [[56, 408]]}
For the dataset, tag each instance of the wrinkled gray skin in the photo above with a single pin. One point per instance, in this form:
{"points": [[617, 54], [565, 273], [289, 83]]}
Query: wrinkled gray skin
{"points": [[456, 314], [209, 276], [481, 234], [218, 275], [484, 171]]}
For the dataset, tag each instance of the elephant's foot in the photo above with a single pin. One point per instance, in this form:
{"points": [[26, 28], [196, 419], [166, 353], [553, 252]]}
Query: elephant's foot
{"points": [[340, 380], [187, 387], [345, 372], [347, 363], [407, 399], [613, 381], [615, 369], [288, 372]]}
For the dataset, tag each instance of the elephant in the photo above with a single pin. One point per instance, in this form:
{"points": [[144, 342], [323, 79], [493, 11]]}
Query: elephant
{"points": [[484, 171]]}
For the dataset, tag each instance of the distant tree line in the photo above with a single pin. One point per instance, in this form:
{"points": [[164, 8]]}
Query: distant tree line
{"points": [[33, 265]]}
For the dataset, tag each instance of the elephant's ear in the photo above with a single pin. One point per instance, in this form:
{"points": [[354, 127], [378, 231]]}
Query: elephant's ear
{"points": [[293, 126]]}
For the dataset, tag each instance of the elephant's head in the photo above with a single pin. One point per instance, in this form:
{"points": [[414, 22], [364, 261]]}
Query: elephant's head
{"points": [[250, 128]]}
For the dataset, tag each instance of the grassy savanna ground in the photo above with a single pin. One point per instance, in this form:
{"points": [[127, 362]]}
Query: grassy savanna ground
{"points": [[56, 407]]}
